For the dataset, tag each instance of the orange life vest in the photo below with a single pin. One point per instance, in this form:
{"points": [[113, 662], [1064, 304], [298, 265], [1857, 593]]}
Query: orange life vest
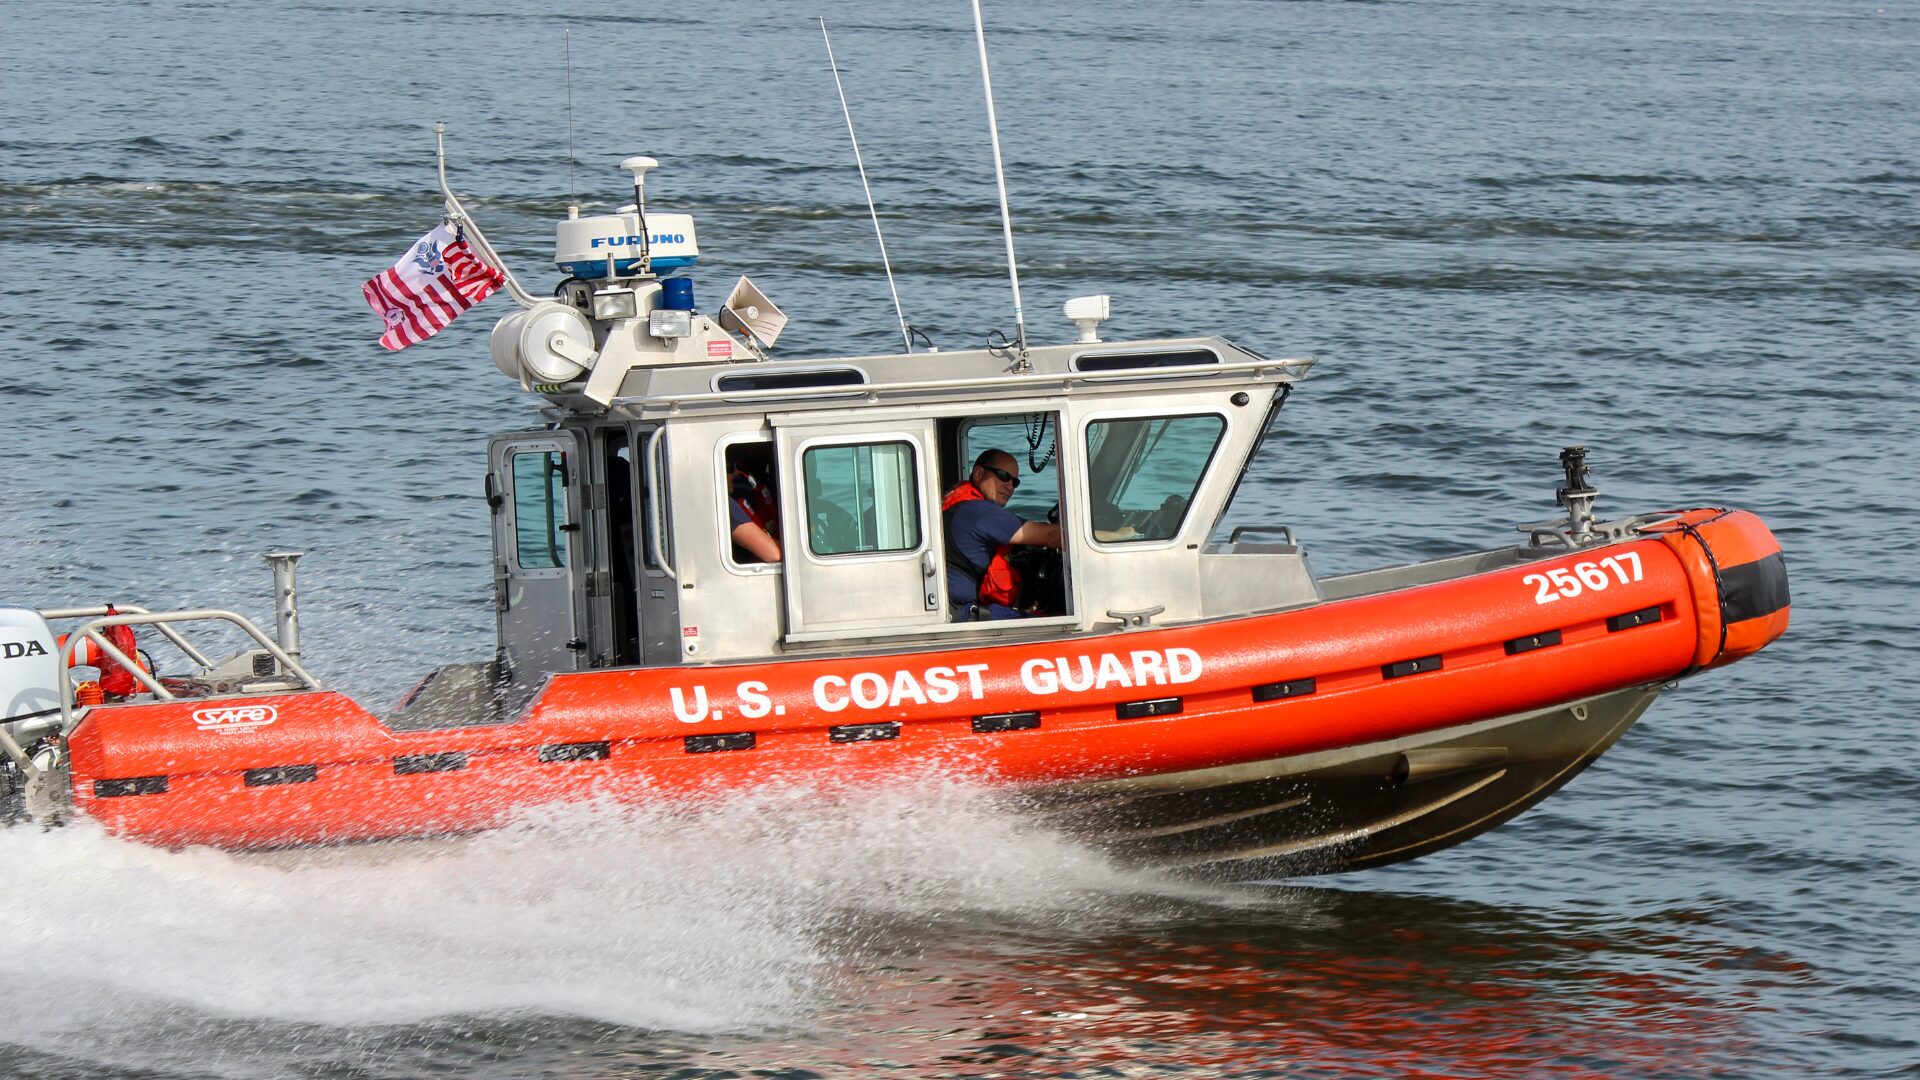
{"points": [[114, 679], [755, 500], [997, 582]]}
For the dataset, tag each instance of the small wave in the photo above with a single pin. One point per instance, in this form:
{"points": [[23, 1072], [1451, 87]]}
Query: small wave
{"points": [[737, 161], [788, 210], [1616, 179]]}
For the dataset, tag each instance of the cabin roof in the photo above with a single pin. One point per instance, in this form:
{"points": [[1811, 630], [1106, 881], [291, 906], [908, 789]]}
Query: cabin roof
{"points": [[927, 377]]}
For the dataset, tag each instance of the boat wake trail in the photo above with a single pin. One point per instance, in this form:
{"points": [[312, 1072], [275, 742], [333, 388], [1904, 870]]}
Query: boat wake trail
{"points": [[730, 916]]}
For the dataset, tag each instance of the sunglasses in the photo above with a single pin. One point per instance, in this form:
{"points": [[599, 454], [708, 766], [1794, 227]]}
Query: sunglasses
{"points": [[1006, 477]]}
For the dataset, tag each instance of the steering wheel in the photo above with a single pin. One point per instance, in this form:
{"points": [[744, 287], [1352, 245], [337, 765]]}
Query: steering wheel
{"points": [[1053, 514], [833, 530], [1042, 584], [1166, 520]]}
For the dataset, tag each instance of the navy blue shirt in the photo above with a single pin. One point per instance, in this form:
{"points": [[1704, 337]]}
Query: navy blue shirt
{"points": [[980, 526], [736, 517]]}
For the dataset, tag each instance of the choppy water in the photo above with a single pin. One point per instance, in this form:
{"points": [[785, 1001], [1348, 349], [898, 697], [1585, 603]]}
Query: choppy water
{"points": [[1684, 235]]}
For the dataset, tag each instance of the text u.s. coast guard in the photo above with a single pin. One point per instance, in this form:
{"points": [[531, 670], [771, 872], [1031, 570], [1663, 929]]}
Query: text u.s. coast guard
{"points": [[943, 684]]}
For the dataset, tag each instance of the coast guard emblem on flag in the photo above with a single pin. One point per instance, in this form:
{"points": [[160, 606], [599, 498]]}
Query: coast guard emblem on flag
{"points": [[438, 278], [426, 256]]}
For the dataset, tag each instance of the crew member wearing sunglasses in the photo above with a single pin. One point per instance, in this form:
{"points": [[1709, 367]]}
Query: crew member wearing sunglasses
{"points": [[981, 582]]}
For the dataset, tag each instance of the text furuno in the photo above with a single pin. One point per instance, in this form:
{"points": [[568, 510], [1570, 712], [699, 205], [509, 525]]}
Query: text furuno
{"points": [[634, 241]]}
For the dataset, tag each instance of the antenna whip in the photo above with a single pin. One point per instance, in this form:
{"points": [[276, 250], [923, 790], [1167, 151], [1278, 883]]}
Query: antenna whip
{"points": [[871, 210], [573, 194], [1000, 177]]}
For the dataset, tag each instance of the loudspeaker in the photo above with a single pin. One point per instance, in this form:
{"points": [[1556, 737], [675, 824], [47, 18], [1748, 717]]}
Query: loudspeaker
{"points": [[748, 311]]}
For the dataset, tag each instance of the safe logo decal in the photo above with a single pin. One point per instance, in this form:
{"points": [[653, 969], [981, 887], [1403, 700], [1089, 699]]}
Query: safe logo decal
{"points": [[234, 718]]}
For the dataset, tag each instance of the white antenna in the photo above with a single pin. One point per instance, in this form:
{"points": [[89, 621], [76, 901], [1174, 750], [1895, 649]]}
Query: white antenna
{"points": [[855, 139], [573, 194], [1000, 176], [639, 166]]}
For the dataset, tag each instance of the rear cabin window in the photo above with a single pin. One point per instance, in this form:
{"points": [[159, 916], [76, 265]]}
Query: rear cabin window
{"points": [[540, 509], [1143, 472], [862, 499]]}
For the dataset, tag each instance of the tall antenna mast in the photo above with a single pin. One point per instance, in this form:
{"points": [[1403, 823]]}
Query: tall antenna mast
{"points": [[905, 336], [1000, 177], [573, 194]]}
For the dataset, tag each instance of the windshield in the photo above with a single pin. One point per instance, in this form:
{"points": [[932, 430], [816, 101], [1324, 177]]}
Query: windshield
{"points": [[1143, 472]]}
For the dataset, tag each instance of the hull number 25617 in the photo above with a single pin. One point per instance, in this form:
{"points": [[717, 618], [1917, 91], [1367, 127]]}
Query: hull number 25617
{"points": [[1584, 577]]}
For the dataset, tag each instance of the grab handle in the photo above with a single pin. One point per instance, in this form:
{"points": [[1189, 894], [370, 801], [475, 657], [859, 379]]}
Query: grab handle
{"points": [[1285, 533], [655, 497]]}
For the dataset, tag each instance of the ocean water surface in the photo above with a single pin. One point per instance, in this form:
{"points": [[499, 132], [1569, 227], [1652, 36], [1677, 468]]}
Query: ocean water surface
{"points": [[1684, 236]]}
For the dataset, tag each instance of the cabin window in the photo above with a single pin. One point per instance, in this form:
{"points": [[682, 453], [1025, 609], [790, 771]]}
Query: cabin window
{"points": [[540, 509], [1132, 361], [751, 494], [790, 380], [862, 498], [1033, 440], [1142, 473]]}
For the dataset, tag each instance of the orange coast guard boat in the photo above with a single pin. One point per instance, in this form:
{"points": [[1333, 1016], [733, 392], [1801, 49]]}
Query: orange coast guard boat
{"points": [[1180, 698]]}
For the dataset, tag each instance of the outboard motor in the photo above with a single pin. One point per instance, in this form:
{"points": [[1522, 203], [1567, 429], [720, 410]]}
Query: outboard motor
{"points": [[30, 668], [30, 674]]}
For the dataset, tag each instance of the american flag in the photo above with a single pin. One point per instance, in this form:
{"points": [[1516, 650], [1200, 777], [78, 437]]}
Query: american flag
{"points": [[437, 279]]}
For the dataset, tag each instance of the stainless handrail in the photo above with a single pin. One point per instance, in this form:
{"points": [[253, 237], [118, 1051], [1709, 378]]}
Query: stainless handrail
{"points": [[90, 631], [459, 214], [1285, 531], [655, 501], [167, 632]]}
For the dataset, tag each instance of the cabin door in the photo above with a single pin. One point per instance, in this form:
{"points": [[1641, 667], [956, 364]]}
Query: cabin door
{"points": [[533, 487], [861, 521], [659, 590]]}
